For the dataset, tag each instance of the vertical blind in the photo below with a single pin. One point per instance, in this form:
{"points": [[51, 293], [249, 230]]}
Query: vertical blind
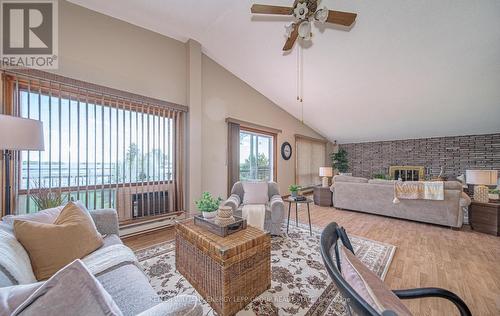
{"points": [[311, 155], [102, 148]]}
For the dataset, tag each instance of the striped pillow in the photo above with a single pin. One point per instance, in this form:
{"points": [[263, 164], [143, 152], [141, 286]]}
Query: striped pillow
{"points": [[368, 285]]}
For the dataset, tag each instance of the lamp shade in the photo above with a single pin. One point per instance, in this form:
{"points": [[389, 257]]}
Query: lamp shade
{"points": [[481, 177], [325, 171], [20, 134]]}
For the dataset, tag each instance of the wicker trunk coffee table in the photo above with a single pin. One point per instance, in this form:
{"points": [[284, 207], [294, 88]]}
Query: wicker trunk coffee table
{"points": [[228, 272]]}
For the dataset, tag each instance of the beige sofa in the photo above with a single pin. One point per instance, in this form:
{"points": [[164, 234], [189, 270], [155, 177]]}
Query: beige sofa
{"points": [[376, 196]]}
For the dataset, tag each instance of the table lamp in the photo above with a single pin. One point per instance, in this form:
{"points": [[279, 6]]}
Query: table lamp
{"points": [[325, 172], [480, 179], [18, 134]]}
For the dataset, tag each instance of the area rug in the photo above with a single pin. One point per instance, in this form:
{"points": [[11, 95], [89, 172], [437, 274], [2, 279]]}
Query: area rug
{"points": [[300, 284]]}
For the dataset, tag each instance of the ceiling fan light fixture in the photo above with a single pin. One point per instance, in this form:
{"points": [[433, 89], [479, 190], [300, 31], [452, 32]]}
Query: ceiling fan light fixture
{"points": [[321, 15], [300, 11], [305, 30], [289, 29]]}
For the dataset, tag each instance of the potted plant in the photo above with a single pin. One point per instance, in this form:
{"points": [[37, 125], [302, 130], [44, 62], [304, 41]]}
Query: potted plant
{"points": [[45, 198], [339, 161], [494, 194], [294, 189], [208, 205], [380, 176]]}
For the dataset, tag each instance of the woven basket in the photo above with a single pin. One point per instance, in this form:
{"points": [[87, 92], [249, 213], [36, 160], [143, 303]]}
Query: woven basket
{"points": [[228, 272]]}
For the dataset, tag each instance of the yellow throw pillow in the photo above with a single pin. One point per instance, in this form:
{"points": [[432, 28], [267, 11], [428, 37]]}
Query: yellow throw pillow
{"points": [[52, 246]]}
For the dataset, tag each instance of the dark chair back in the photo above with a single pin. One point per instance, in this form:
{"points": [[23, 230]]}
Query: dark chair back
{"points": [[329, 243]]}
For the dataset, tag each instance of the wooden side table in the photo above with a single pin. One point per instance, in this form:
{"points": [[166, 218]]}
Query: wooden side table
{"points": [[485, 217], [322, 196], [292, 201]]}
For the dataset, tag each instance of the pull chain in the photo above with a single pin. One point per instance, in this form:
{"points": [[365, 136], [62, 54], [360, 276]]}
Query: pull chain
{"points": [[298, 75], [300, 80]]}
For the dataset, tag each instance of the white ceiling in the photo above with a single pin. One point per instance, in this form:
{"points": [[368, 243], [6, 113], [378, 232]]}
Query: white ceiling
{"points": [[407, 69]]}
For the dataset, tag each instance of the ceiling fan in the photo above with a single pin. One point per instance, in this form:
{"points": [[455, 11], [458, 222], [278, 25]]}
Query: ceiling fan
{"points": [[304, 12]]}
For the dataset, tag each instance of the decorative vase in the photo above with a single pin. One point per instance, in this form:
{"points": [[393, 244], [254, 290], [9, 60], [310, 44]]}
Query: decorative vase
{"points": [[225, 212], [294, 193], [481, 194], [209, 215]]}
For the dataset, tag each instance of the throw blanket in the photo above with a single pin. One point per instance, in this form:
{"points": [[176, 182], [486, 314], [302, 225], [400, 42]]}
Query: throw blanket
{"points": [[255, 214], [108, 258], [418, 190]]}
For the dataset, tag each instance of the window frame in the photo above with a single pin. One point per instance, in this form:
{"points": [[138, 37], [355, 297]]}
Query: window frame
{"points": [[52, 85], [103, 102]]}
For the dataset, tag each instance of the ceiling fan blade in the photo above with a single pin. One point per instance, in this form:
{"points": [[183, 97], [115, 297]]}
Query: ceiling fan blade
{"points": [[342, 18], [293, 37], [271, 9]]}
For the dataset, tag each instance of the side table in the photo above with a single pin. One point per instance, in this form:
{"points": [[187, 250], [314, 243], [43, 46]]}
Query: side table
{"points": [[322, 196], [292, 201], [485, 217]]}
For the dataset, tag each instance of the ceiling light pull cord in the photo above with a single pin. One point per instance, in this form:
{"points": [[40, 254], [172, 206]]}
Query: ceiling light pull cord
{"points": [[298, 76], [301, 80]]}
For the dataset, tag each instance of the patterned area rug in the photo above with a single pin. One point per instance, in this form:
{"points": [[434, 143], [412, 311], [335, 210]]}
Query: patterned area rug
{"points": [[300, 284]]}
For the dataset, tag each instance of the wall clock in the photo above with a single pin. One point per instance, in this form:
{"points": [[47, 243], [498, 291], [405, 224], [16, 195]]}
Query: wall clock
{"points": [[286, 150]]}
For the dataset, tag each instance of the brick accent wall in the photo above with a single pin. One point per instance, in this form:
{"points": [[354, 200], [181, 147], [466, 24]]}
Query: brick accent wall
{"points": [[455, 154]]}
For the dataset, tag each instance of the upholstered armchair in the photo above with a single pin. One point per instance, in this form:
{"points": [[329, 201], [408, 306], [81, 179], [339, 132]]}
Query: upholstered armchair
{"points": [[275, 207]]}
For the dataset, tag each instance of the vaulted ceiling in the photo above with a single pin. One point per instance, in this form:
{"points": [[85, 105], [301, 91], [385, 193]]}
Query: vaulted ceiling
{"points": [[407, 69]]}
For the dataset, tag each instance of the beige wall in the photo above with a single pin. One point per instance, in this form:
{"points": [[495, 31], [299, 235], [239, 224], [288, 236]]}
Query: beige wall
{"points": [[194, 131], [225, 95], [103, 50]]}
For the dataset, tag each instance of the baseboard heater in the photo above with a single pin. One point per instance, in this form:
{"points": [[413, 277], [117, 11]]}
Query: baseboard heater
{"points": [[150, 204], [150, 225]]}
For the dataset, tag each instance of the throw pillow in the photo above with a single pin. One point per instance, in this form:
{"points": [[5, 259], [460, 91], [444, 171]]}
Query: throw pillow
{"points": [[71, 291], [52, 246], [255, 193], [368, 285], [382, 181], [13, 296], [47, 216], [14, 261]]}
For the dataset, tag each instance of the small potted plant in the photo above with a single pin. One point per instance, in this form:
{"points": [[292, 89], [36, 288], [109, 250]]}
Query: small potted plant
{"points": [[208, 205], [494, 194], [380, 176], [294, 189]]}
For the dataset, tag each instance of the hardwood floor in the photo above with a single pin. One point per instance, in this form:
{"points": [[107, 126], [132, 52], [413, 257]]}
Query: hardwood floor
{"points": [[464, 262]]}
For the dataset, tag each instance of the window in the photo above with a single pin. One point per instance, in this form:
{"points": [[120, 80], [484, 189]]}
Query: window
{"points": [[256, 156], [311, 155], [103, 150], [251, 152]]}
